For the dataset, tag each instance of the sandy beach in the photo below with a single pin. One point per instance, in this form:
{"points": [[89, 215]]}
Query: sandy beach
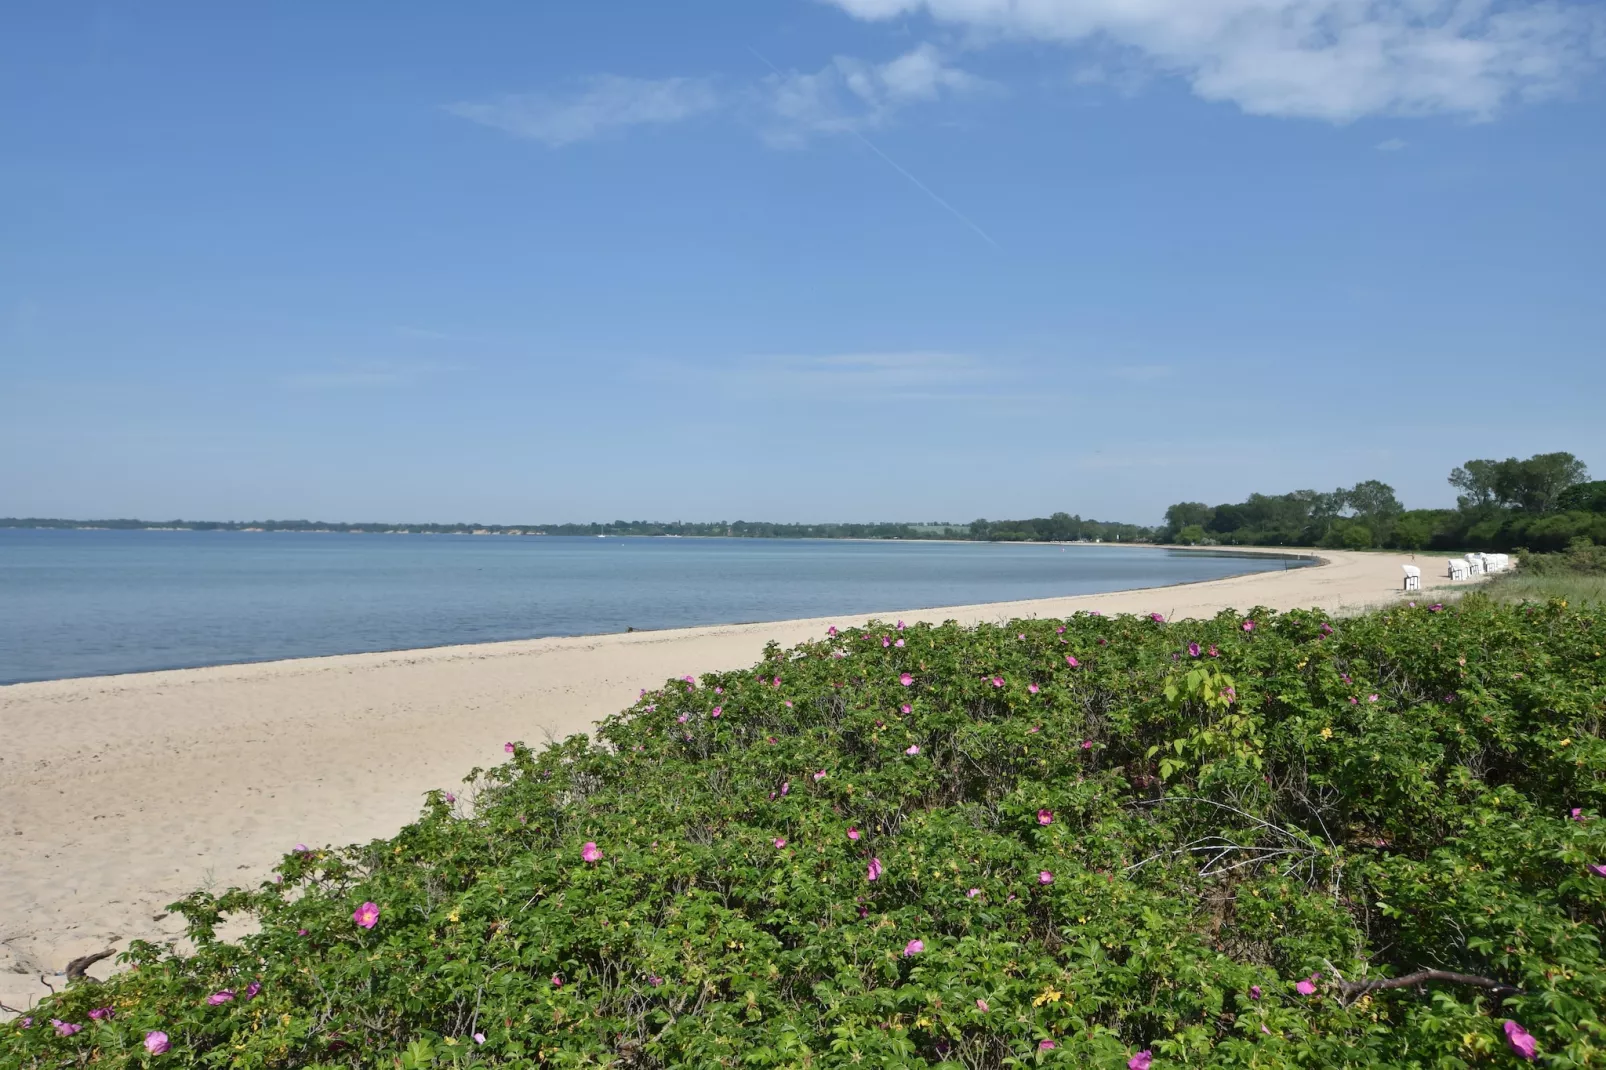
{"points": [[120, 794]]}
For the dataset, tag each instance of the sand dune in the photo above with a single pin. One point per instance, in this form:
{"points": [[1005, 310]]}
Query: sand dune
{"points": [[120, 794]]}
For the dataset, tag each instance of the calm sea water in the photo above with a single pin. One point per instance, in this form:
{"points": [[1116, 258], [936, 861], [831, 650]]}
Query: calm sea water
{"points": [[86, 603]]}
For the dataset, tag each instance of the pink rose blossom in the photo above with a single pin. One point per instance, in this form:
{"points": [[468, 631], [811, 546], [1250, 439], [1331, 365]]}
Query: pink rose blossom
{"points": [[1045, 817], [914, 749], [1046, 1045], [905, 708], [1141, 1061], [718, 710], [1087, 744], [780, 841], [873, 871], [1158, 618], [479, 1038], [218, 998], [101, 1014], [786, 788], [906, 679], [366, 915], [1599, 871], [1249, 625], [1032, 688], [973, 893], [1522, 1042], [1254, 991], [900, 625], [853, 834], [66, 1029], [1305, 988], [998, 681], [1193, 650], [252, 989], [590, 851], [981, 1005], [1045, 877], [913, 947], [819, 775], [831, 630], [508, 747], [557, 980], [156, 1042]]}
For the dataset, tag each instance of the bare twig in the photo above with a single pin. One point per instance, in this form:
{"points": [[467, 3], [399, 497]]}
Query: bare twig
{"points": [[1352, 990], [76, 968]]}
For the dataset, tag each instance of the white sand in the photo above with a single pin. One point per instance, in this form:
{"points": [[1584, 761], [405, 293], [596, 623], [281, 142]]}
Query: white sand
{"points": [[120, 794]]}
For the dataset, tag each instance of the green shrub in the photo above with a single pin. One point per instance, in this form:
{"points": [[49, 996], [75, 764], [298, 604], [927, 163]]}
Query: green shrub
{"points": [[1089, 838]]}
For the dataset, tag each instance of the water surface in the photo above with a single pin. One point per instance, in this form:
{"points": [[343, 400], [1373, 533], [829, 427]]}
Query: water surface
{"points": [[86, 603]]}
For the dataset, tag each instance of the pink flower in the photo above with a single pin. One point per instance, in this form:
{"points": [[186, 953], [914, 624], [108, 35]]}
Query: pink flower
{"points": [[654, 980], [1193, 650], [981, 1005], [853, 834], [780, 841], [102, 1014], [681, 719], [1522, 1042], [1353, 701], [1157, 618], [1140, 1061], [1213, 652], [219, 998], [900, 625], [905, 708], [1372, 697], [689, 680], [719, 690], [873, 872], [786, 788], [1045, 877], [1249, 625], [973, 893], [1022, 635], [885, 642], [508, 747], [831, 630], [156, 1042], [1087, 744], [820, 775], [1046, 1045], [1437, 607], [998, 681], [1032, 688], [1254, 991], [591, 852], [1325, 629], [479, 1038], [366, 915], [1036, 728], [1578, 813], [777, 681], [906, 679], [450, 797], [557, 980], [718, 710], [1305, 988], [1045, 817], [913, 947], [65, 1029], [788, 703], [1599, 871], [1070, 659], [913, 749]]}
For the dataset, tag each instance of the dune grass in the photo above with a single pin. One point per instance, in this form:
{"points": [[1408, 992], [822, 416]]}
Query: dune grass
{"points": [[1107, 842]]}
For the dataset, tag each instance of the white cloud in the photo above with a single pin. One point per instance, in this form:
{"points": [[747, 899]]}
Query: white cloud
{"points": [[604, 103], [850, 95], [1337, 60], [1393, 144]]}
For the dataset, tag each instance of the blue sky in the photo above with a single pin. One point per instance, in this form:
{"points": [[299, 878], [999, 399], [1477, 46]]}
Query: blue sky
{"points": [[790, 260]]}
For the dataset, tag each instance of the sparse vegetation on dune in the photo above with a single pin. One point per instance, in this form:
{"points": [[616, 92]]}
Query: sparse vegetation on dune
{"points": [[1114, 842]]}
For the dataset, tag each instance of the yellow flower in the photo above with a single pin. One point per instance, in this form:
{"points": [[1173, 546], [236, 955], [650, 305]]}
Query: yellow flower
{"points": [[1567, 741], [453, 916], [1048, 995], [1327, 733]]}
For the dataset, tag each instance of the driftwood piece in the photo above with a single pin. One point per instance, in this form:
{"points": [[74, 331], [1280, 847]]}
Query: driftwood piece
{"points": [[1352, 990], [76, 968]]}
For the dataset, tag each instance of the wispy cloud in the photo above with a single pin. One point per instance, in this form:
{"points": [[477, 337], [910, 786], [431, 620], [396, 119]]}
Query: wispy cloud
{"points": [[846, 96], [849, 95], [601, 104], [1393, 144], [1337, 60]]}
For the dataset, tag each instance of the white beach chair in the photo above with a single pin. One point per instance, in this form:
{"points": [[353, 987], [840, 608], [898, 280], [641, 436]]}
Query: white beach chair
{"points": [[1458, 569], [1499, 562], [1475, 564], [1413, 577]]}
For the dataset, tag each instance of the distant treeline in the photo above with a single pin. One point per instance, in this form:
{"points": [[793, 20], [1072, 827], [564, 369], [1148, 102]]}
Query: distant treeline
{"points": [[1059, 527], [1544, 503]]}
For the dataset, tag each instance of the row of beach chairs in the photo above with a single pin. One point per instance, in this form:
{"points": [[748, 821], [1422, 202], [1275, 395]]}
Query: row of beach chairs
{"points": [[1461, 568]]}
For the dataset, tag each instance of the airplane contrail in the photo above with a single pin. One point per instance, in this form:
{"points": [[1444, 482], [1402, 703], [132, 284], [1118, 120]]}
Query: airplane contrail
{"points": [[896, 166]]}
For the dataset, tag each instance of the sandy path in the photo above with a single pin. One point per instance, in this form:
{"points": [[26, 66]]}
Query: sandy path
{"points": [[120, 794]]}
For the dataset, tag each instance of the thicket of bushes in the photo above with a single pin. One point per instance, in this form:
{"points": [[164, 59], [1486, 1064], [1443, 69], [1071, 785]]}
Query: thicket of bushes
{"points": [[1047, 843]]}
